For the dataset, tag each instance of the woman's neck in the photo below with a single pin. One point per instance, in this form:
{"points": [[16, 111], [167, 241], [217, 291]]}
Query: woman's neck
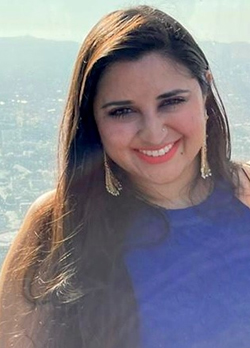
{"points": [[178, 194], [188, 196]]}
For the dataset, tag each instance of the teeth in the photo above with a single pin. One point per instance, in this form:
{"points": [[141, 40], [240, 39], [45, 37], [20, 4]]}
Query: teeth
{"points": [[157, 153]]}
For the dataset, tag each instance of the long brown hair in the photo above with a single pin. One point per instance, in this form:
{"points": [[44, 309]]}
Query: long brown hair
{"points": [[82, 238]]}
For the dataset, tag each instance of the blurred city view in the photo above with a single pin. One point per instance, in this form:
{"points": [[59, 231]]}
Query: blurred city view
{"points": [[34, 79]]}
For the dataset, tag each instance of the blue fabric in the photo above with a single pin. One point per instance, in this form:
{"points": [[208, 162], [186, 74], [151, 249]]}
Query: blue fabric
{"points": [[192, 285]]}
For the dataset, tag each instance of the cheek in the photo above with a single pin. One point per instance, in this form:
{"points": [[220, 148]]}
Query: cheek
{"points": [[115, 136], [192, 125], [113, 142]]}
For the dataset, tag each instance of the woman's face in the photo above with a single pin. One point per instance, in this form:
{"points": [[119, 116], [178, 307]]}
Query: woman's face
{"points": [[151, 118]]}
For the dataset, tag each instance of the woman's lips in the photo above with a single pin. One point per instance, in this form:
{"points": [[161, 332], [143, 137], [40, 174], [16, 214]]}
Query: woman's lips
{"points": [[161, 155]]}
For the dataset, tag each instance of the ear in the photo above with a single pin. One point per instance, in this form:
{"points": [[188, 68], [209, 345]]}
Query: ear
{"points": [[209, 77]]}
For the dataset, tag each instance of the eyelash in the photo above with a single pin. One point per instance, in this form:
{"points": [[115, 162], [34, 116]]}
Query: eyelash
{"points": [[120, 112], [124, 111], [172, 102]]}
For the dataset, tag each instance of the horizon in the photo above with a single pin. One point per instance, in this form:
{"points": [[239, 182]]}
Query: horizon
{"points": [[207, 20], [78, 42]]}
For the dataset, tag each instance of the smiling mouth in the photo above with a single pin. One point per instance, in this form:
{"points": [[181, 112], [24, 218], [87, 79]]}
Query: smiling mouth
{"points": [[157, 153]]}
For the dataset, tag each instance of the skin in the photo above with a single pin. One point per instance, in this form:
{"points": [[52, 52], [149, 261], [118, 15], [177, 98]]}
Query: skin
{"points": [[147, 119], [141, 82]]}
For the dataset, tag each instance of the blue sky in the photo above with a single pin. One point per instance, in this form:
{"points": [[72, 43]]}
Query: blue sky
{"points": [[218, 20]]}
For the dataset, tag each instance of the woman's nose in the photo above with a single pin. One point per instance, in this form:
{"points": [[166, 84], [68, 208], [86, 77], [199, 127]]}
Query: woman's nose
{"points": [[153, 130]]}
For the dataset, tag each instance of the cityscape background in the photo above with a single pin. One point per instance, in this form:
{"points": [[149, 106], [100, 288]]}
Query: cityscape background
{"points": [[35, 74]]}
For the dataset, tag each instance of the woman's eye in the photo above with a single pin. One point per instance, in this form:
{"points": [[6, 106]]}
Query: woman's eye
{"points": [[121, 112], [173, 102]]}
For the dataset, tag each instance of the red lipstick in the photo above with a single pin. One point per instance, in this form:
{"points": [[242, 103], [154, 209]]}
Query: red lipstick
{"points": [[159, 159]]}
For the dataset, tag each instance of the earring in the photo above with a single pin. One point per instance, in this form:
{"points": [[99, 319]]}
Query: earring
{"points": [[113, 185], [205, 168]]}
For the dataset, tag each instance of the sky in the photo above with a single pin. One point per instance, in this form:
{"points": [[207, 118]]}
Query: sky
{"points": [[216, 20]]}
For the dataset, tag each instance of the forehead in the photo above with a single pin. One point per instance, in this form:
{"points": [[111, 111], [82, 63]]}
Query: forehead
{"points": [[152, 71]]}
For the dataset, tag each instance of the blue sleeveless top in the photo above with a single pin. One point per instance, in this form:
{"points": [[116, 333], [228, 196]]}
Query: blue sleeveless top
{"points": [[192, 278]]}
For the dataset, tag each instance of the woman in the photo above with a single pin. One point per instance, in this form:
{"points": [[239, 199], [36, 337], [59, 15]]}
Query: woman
{"points": [[145, 241]]}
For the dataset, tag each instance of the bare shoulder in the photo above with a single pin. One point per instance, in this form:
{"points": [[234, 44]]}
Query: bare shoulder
{"points": [[25, 238], [38, 205], [25, 234], [13, 304], [244, 177], [41, 202]]}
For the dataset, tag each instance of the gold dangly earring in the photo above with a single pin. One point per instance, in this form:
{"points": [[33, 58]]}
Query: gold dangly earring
{"points": [[113, 185], [205, 168]]}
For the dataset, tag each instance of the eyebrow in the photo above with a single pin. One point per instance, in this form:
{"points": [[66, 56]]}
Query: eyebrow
{"points": [[161, 96], [173, 93], [117, 103]]}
